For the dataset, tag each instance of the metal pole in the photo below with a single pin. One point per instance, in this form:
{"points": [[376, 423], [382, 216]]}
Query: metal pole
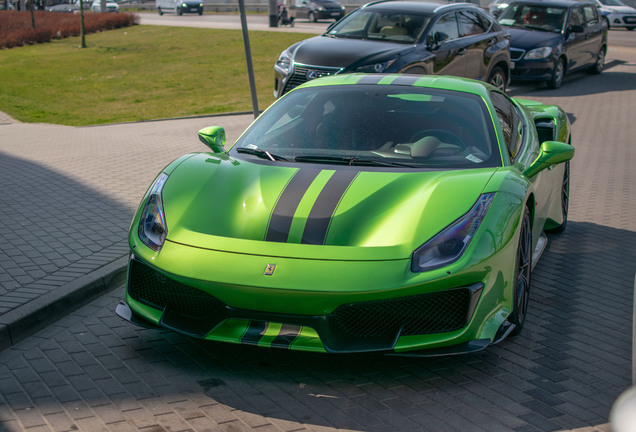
{"points": [[634, 338], [273, 13], [248, 57]]}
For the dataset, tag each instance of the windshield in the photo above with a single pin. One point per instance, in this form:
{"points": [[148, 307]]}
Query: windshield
{"points": [[534, 17], [403, 27], [374, 125]]}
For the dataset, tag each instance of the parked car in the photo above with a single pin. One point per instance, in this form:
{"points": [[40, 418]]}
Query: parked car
{"points": [[111, 6], [496, 6], [315, 10], [63, 7], [617, 13], [179, 6], [402, 37], [359, 213], [551, 38]]}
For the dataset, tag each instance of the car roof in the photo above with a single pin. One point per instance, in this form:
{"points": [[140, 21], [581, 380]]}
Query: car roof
{"points": [[558, 3], [417, 6]]}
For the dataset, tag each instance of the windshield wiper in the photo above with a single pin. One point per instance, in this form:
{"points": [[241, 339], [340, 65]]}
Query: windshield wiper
{"points": [[263, 154], [350, 160]]}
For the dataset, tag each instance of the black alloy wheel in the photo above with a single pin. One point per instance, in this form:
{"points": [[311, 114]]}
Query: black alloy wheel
{"points": [[523, 268]]}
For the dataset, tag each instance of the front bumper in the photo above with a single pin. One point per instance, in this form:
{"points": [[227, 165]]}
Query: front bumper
{"points": [[532, 70], [622, 20], [323, 306]]}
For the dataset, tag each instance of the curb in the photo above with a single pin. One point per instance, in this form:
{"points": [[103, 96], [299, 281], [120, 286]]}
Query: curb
{"points": [[27, 319]]}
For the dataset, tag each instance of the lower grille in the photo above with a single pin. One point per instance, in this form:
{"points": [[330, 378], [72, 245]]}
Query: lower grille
{"points": [[154, 289], [417, 315]]}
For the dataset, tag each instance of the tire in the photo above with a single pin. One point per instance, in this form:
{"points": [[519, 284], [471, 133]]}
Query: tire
{"points": [[498, 78], [523, 268], [599, 64], [565, 199], [630, 28], [557, 75], [160, 11], [201, 11], [312, 17], [179, 11]]}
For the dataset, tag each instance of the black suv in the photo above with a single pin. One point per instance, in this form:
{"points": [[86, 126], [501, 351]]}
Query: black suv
{"points": [[399, 36]]}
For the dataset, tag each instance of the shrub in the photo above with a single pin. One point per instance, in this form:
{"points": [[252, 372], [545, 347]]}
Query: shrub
{"points": [[16, 30]]}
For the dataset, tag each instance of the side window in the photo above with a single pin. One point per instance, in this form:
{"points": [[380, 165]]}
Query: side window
{"points": [[591, 16], [470, 24], [577, 17], [445, 28], [510, 123]]}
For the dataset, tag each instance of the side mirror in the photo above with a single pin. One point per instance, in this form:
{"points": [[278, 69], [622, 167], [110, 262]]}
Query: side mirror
{"points": [[551, 153], [213, 137], [575, 28]]}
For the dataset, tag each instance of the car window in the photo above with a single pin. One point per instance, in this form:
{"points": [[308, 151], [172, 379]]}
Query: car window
{"points": [[471, 23], [577, 17], [534, 17], [510, 122], [401, 27], [591, 16], [445, 28], [407, 127]]}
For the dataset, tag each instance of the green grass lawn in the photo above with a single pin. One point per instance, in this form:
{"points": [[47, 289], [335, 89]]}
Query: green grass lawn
{"points": [[138, 73]]}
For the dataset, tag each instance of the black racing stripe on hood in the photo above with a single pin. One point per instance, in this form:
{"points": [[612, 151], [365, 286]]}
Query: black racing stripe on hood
{"points": [[283, 214], [254, 333], [321, 213], [370, 79], [405, 80]]}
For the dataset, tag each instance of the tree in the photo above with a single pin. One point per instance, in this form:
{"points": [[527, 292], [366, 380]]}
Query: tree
{"points": [[82, 32]]}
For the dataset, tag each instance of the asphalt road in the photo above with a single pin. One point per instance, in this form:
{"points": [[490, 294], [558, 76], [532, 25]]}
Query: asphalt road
{"points": [[91, 371]]}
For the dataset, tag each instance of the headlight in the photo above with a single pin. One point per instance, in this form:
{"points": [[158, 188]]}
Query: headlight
{"points": [[538, 53], [376, 67], [449, 245], [320, 9], [284, 62], [152, 222]]}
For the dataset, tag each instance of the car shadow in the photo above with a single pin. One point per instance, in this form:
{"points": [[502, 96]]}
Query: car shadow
{"points": [[564, 371], [580, 84]]}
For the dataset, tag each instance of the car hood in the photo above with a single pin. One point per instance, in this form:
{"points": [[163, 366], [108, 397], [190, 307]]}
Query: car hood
{"points": [[313, 211], [340, 52], [619, 9], [327, 4], [529, 39]]}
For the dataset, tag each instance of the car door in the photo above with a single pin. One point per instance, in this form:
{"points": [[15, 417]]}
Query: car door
{"points": [[474, 40], [448, 51], [575, 40], [593, 33]]}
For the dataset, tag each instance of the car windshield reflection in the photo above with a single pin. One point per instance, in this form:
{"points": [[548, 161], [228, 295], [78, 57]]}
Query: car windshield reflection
{"points": [[401, 27], [375, 127], [534, 17]]}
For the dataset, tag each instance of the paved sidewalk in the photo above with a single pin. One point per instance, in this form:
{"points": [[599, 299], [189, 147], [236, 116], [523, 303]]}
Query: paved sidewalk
{"points": [[68, 196]]}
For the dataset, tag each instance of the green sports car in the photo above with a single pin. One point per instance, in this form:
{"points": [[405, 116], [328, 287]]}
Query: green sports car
{"points": [[359, 213]]}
